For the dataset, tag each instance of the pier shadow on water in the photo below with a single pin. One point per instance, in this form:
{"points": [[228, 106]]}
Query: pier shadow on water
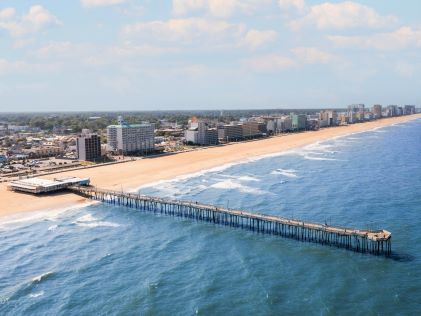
{"points": [[401, 257]]}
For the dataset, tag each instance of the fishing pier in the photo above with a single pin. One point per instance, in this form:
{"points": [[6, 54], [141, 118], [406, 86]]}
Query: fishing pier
{"points": [[376, 242]]}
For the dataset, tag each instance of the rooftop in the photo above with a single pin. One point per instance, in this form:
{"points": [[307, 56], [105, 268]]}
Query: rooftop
{"points": [[131, 125]]}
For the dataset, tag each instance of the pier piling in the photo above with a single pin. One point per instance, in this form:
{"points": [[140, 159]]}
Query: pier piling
{"points": [[376, 242]]}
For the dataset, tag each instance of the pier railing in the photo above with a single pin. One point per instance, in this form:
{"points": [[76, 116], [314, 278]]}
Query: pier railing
{"points": [[377, 242]]}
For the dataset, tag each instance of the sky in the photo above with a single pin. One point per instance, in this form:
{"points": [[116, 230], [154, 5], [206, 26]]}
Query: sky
{"points": [[111, 55]]}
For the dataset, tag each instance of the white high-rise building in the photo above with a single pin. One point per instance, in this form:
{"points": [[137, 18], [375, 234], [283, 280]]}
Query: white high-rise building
{"points": [[131, 138]]}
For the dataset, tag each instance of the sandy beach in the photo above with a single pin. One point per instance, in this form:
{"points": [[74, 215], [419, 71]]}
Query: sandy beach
{"points": [[145, 171]]}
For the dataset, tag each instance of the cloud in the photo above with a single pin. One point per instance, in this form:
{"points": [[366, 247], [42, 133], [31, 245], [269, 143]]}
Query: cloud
{"points": [[218, 8], [23, 67], [199, 32], [342, 15], [272, 62], [35, 20], [297, 6], [312, 55], [402, 38], [184, 30], [7, 66], [100, 3], [255, 38], [7, 13], [299, 56]]}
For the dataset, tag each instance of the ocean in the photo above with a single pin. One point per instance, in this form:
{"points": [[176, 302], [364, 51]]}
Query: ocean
{"points": [[106, 260]]}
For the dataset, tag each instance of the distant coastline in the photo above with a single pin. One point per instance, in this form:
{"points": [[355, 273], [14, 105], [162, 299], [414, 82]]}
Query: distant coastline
{"points": [[131, 175]]}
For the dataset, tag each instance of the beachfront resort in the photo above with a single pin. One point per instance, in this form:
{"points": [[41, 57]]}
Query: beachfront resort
{"points": [[37, 148]]}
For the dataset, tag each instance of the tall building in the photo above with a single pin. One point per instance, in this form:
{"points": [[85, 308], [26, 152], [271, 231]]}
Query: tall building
{"points": [[298, 121], [231, 132], [356, 108], [392, 110], [284, 124], [88, 146], [131, 138], [251, 129], [377, 111], [409, 109], [328, 118], [200, 133]]}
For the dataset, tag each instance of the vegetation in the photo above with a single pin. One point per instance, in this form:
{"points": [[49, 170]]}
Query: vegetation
{"points": [[95, 121]]}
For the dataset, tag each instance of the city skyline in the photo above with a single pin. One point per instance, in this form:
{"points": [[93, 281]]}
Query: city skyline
{"points": [[129, 55]]}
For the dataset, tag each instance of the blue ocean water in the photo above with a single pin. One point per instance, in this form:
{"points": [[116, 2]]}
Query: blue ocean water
{"points": [[106, 260]]}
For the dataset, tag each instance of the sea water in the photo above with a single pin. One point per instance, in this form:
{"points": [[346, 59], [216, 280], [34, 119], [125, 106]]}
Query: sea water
{"points": [[107, 260]]}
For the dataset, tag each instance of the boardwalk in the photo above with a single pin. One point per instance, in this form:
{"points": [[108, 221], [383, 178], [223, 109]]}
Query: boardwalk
{"points": [[377, 242]]}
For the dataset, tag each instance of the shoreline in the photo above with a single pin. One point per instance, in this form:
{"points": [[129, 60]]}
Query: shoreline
{"points": [[135, 174]]}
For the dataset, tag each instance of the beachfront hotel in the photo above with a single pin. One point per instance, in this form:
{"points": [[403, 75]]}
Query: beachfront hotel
{"points": [[131, 138], [88, 146]]}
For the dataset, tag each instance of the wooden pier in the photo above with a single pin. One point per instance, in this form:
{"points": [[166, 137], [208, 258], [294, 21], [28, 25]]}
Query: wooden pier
{"points": [[376, 242]]}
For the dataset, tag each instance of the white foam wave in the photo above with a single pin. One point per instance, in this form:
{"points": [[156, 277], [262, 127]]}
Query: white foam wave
{"points": [[248, 178], [16, 220], [90, 221], [37, 294], [232, 185], [320, 146], [318, 158], [52, 227], [41, 277], [98, 224], [290, 173]]}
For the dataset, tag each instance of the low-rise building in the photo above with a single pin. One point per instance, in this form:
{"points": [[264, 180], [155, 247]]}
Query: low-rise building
{"points": [[44, 151]]}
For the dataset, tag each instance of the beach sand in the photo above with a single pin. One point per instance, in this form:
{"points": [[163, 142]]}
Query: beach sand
{"points": [[133, 174]]}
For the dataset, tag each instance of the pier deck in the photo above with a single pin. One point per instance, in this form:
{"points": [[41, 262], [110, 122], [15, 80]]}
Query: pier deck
{"points": [[377, 242]]}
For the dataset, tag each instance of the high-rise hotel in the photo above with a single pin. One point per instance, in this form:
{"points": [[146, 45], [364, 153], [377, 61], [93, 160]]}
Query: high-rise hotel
{"points": [[131, 138]]}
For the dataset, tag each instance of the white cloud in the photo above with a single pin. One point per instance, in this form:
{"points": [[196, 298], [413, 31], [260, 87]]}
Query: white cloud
{"points": [[342, 15], [402, 38], [272, 62], [218, 8], [255, 38], [24, 67], [185, 31], [35, 20], [299, 56], [312, 55], [197, 32], [7, 13], [100, 3], [297, 6], [11, 66]]}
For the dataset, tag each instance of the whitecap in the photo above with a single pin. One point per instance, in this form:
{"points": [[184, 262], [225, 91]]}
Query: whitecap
{"points": [[90, 221], [16, 220], [37, 294], [290, 173], [248, 178], [42, 277], [98, 224], [232, 185], [52, 227], [318, 158]]}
